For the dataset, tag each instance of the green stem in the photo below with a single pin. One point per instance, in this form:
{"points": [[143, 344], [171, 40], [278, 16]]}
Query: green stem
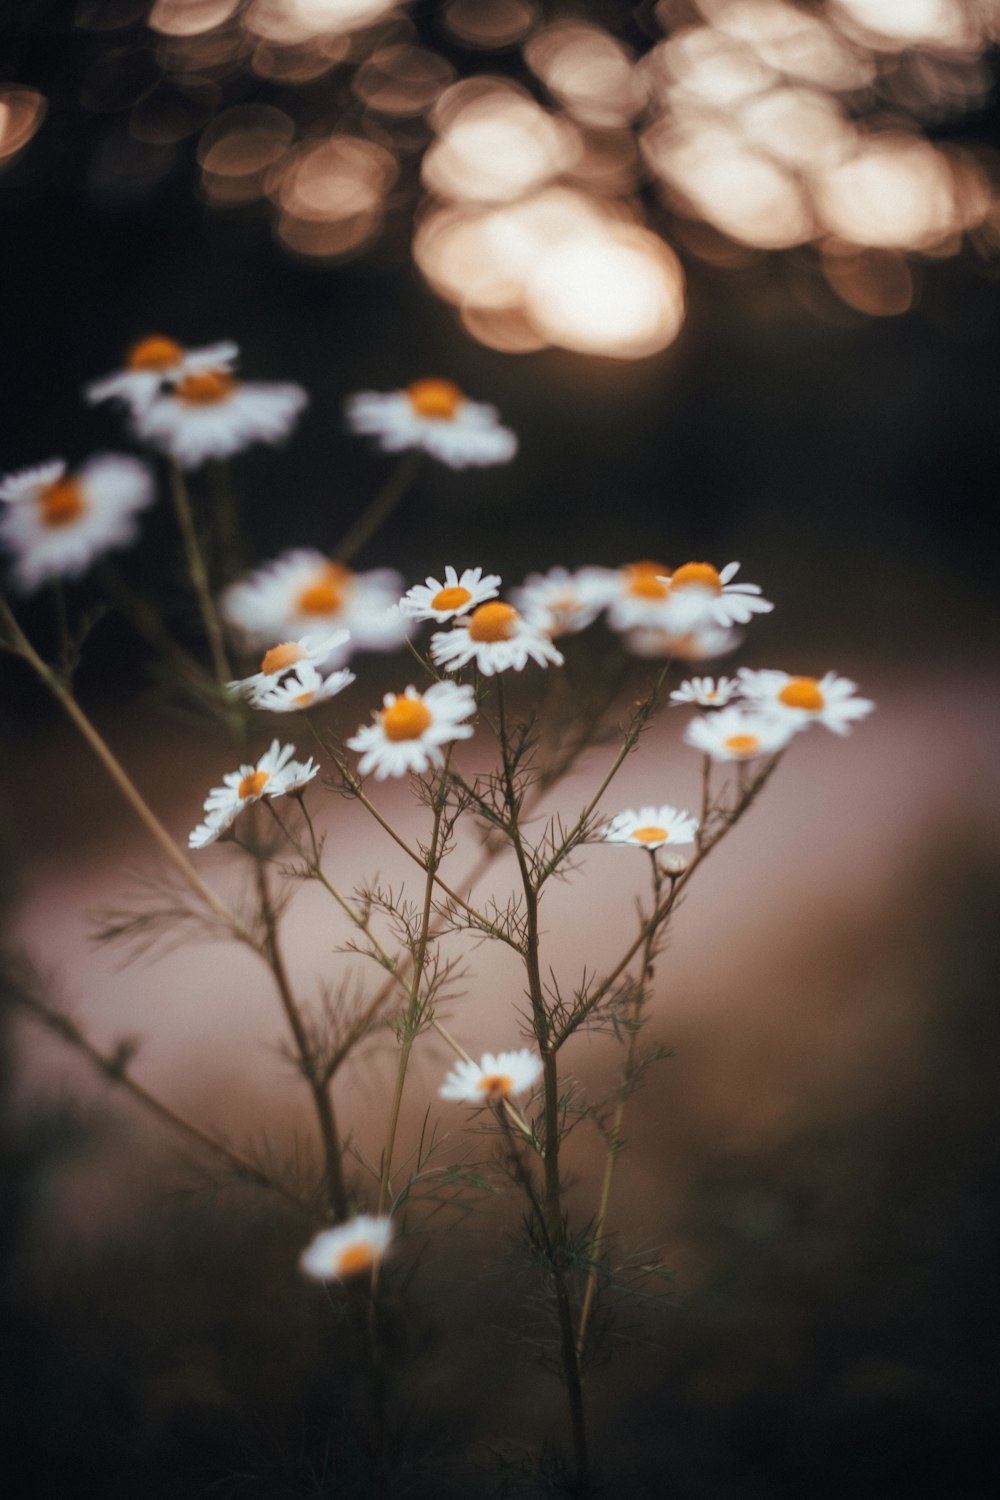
{"points": [[380, 509], [198, 574]]}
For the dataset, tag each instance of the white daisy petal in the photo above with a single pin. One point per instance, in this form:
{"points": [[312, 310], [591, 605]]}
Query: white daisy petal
{"points": [[301, 689], [700, 597], [152, 362], [650, 827], [274, 775], [706, 692], [433, 600], [736, 734], [496, 638], [498, 1076], [410, 729], [562, 603], [433, 415], [303, 593], [348, 1250], [801, 701], [208, 413], [288, 656]]}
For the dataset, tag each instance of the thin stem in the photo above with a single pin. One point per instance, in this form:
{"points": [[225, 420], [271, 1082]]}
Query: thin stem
{"points": [[198, 574], [380, 509]]}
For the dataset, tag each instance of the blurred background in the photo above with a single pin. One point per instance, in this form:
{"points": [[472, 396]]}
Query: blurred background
{"points": [[729, 268]]}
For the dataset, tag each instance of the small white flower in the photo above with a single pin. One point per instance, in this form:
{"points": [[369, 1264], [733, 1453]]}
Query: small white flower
{"points": [[152, 362], [736, 734], [651, 827], [706, 692], [562, 603], [303, 688], [496, 638], [434, 600], [273, 775], [55, 523], [347, 1250], [289, 656], [436, 416], [497, 1077], [690, 645], [802, 701], [638, 598], [410, 729], [302, 592], [210, 414], [699, 597]]}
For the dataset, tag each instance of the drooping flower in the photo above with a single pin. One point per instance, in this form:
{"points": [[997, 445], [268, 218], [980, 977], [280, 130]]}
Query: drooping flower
{"points": [[735, 733], [208, 413], [498, 1076], [651, 827], [303, 688], [290, 656], [562, 603], [438, 601], [410, 729], [706, 692], [496, 638], [351, 1248], [802, 701], [436, 416], [302, 592], [699, 597], [274, 775], [151, 363], [56, 522]]}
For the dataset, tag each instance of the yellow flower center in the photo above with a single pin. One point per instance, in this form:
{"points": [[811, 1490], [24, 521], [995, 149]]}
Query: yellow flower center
{"points": [[304, 700], [280, 658], [802, 692], [253, 785], [647, 580], [407, 719], [702, 575], [452, 598], [493, 622], [62, 502], [650, 835], [742, 744], [205, 387], [325, 594], [496, 1085], [355, 1258], [437, 400], [154, 353]]}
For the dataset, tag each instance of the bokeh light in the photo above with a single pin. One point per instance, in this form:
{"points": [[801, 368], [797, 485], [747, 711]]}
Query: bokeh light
{"points": [[21, 113]]}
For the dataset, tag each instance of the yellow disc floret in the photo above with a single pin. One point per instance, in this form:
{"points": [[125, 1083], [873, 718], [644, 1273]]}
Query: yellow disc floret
{"points": [[493, 622], [742, 744], [651, 835], [647, 580], [496, 1085], [62, 502], [701, 575], [281, 657], [802, 692], [155, 353], [253, 785], [437, 400], [355, 1258], [325, 594], [452, 598], [406, 719], [205, 387]]}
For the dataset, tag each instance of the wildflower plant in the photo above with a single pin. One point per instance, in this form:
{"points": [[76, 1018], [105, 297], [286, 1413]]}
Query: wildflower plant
{"points": [[479, 729]]}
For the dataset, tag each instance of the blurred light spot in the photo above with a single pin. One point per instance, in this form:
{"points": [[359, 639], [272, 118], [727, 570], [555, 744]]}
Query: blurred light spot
{"points": [[174, 109], [797, 126], [617, 292], [326, 239], [913, 23], [289, 21], [189, 17], [342, 177], [298, 63], [698, 65], [793, 41], [402, 80], [878, 282], [238, 148], [588, 71], [490, 23], [495, 143], [507, 329], [897, 192], [21, 113], [607, 162]]}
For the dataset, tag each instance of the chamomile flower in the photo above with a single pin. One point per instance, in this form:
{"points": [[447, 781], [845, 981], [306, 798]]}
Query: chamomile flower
{"points": [[208, 413], [706, 692], [303, 688], [650, 828], [302, 592], [562, 603], [56, 522], [351, 1248], [496, 638], [274, 775], [639, 596], [153, 361], [410, 729], [436, 416], [700, 597], [736, 734], [688, 645], [801, 701], [290, 656], [434, 600], [498, 1076]]}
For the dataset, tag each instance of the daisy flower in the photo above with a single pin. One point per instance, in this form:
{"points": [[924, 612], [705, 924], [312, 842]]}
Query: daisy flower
{"points": [[273, 775], [495, 637], [700, 596], [638, 596], [562, 603], [410, 729], [689, 645], [497, 1077], [706, 692], [801, 701], [153, 361], [433, 600], [302, 592], [736, 734], [436, 416], [56, 522], [289, 656], [303, 688], [651, 828], [208, 413], [347, 1250]]}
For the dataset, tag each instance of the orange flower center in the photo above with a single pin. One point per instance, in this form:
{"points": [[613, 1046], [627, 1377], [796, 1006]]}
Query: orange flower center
{"points": [[406, 719], [355, 1258], [742, 744], [437, 400], [452, 598], [154, 353], [493, 622], [325, 595], [496, 1085], [62, 502], [702, 575], [253, 785], [205, 387], [802, 692], [280, 658], [304, 700], [647, 580], [650, 835]]}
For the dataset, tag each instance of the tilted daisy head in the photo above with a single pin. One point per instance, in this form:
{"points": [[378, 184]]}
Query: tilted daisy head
{"points": [[496, 637], [651, 827], [350, 1249], [737, 733], [274, 775], [410, 729], [700, 596], [55, 522], [801, 701], [434, 600], [150, 363], [640, 596], [498, 1076], [208, 413], [301, 689], [706, 692], [302, 593], [290, 657], [436, 416], [562, 603]]}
